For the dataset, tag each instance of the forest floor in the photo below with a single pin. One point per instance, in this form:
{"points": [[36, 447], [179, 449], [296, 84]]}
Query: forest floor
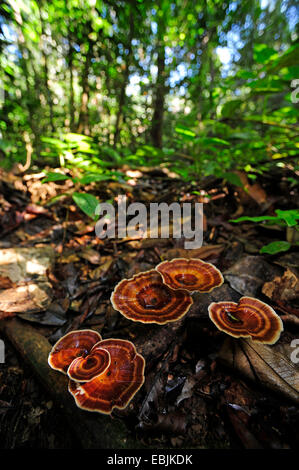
{"points": [[203, 389]]}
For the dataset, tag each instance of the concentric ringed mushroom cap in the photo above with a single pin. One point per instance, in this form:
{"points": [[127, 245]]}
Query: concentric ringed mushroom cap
{"points": [[72, 345], [249, 317], [117, 385], [83, 369], [145, 298], [190, 274]]}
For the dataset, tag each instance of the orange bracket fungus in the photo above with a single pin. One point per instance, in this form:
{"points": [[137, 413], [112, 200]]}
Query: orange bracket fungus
{"points": [[74, 344], [145, 298], [190, 274], [248, 318], [84, 369], [117, 385], [104, 373]]}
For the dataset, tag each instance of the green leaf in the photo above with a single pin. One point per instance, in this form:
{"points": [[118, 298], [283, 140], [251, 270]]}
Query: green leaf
{"points": [[55, 142], [230, 107], [214, 141], [91, 178], [245, 74], [261, 218], [275, 247], [184, 131], [290, 217], [53, 176], [87, 203], [264, 90], [54, 199], [288, 59], [232, 178], [247, 135], [262, 53], [72, 137]]}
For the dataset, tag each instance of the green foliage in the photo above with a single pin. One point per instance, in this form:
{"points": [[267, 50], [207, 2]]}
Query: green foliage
{"points": [[86, 80], [275, 247], [185, 132], [232, 178], [54, 176], [284, 218], [87, 203], [83, 153]]}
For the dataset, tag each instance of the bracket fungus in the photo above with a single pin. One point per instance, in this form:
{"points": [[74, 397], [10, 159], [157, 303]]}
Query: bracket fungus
{"points": [[145, 298], [103, 373], [190, 274], [117, 385], [249, 317], [84, 369], [74, 344]]}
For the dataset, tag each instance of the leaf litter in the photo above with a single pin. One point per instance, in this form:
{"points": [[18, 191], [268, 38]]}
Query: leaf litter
{"points": [[202, 389]]}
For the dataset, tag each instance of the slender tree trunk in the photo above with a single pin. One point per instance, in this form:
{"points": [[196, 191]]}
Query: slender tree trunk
{"points": [[109, 136], [159, 101], [156, 130], [31, 96], [83, 122], [206, 65], [46, 75], [70, 62], [122, 97], [72, 96]]}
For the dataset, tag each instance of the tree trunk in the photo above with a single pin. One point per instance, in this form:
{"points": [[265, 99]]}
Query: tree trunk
{"points": [[122, 97], [46, 75], [70, 62], [83, 122], [31, 98], [72, 97], [159, 101]]}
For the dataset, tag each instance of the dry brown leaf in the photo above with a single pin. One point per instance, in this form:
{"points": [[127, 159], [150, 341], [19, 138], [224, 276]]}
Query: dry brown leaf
{"points": [[82, 228], [23, 266], [205, 252], [255, 191], [283, 288], [28, 298], [19, 264], [5, 282], [105, 266], [6, 315], [90, 255], [270, 365], [249, 273], [70, 258]]}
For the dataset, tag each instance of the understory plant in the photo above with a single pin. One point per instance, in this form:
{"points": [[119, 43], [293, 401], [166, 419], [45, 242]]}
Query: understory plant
{"points": [[283, 218]]}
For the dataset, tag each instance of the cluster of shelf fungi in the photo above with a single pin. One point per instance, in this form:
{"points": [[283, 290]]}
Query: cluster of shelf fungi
{"points": [[106, 374]]}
